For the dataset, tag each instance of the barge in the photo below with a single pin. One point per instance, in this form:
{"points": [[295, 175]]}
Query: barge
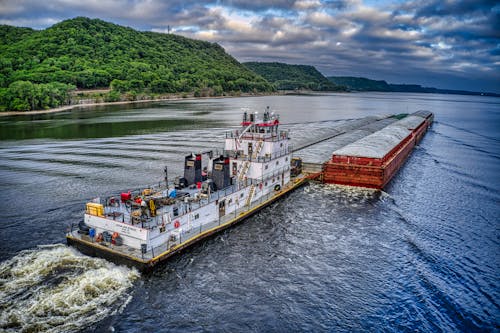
{"points": [[373, 160], [145, 227]]}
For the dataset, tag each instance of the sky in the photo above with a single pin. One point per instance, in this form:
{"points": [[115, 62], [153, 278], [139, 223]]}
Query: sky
{"points": [[447, 44]]}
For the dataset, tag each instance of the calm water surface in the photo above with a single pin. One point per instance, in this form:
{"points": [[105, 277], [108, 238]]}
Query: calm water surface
{"points": [[423, 255]]}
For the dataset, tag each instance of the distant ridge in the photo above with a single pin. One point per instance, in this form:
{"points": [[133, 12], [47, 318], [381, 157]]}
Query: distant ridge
{"points": [[364, 84], [293, 77]]}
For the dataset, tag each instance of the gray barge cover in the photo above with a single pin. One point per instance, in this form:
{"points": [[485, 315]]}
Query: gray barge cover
{"points": [[422, 113], [375, 145], [410, 122]]}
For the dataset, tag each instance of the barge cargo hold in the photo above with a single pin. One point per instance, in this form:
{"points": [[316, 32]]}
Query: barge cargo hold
{"points": [[372, 161]]}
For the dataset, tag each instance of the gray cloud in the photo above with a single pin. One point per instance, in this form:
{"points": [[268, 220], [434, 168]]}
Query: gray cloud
{"points": [[447, 44], [259, 5]]}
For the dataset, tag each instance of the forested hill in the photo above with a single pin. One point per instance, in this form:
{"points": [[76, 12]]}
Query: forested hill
{"points": [[9, 34], [292, 77], [91, 53], [360, 83], [364, 84]]}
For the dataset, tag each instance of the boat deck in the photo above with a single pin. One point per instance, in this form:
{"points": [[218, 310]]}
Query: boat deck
{"points": [[120, 212], [134, 257]]}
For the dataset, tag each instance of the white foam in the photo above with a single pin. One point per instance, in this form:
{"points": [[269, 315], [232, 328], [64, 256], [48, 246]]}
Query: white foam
{"points": [[56, 289]]}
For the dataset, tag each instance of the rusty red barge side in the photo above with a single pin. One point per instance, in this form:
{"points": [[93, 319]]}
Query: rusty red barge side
{"points": [[373, 160]]}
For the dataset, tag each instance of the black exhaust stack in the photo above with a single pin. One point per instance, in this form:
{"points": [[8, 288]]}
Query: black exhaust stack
{"points": [[192, 169], [220, 172]]}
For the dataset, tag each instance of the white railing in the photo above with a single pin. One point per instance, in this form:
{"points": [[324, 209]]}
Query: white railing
{"points": [[276, 154]]}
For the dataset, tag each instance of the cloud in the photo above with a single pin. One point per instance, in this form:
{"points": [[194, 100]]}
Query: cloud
{"points": [[259, 5], [428, 42]]}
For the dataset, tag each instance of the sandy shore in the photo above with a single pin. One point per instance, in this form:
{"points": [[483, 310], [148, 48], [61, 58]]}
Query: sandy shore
{"points": [[90, 105]]}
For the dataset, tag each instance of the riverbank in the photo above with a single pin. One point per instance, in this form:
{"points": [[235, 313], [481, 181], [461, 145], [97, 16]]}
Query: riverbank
{"points": [[162, 99]]}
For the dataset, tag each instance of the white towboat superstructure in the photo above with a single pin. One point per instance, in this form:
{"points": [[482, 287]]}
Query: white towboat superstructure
{"points": [[146, 226]]}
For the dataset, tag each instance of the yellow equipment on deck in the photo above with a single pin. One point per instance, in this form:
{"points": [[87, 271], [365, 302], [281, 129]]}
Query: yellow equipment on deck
{"points": [[95, 209]]}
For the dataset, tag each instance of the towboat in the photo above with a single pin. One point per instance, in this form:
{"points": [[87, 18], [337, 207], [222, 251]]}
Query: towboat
{"points": [[144, 227]]}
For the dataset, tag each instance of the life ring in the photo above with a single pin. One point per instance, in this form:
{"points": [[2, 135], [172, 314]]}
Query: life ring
{"points": [[177, 224], [277, 188]]}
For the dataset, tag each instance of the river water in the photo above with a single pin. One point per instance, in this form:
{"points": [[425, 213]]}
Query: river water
{"points": [[422, 255]]}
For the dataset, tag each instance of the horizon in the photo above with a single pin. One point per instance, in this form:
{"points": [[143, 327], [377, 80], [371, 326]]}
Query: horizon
{"points": [[453, 45]]}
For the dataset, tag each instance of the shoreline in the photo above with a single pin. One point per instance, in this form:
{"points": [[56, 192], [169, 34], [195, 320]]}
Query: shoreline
{"points": [[175, 98], [90, 105]]}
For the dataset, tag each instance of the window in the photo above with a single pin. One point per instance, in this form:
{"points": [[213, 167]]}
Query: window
{"points": [[241, 195], [265, 184], [235, 168], [286, 159], [277, 162], [196, 216], [267, 166]]}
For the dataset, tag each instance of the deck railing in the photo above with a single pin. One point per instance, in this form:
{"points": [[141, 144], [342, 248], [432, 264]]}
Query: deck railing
{"points": [[198, 228], [155, 221], [266, 158], [273, 136], [196, 231]]}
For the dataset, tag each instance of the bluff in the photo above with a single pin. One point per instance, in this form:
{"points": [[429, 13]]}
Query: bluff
{"points": [[293, 77], [364, 84], [91, 53], [360, 83]]}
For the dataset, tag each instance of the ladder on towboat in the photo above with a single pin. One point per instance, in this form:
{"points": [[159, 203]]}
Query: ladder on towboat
{"points": [[250, 195], [260, 144], [246, 165], [244, 170]]}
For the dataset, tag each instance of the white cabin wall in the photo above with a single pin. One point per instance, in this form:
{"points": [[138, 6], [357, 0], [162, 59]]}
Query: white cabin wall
{"points": [[230, 144], [206, 214], [237, 200], [131, 235], [255, 170]]}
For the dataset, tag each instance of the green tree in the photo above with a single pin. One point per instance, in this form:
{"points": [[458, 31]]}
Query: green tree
{"points": [[120, 85], [22, 96]]}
